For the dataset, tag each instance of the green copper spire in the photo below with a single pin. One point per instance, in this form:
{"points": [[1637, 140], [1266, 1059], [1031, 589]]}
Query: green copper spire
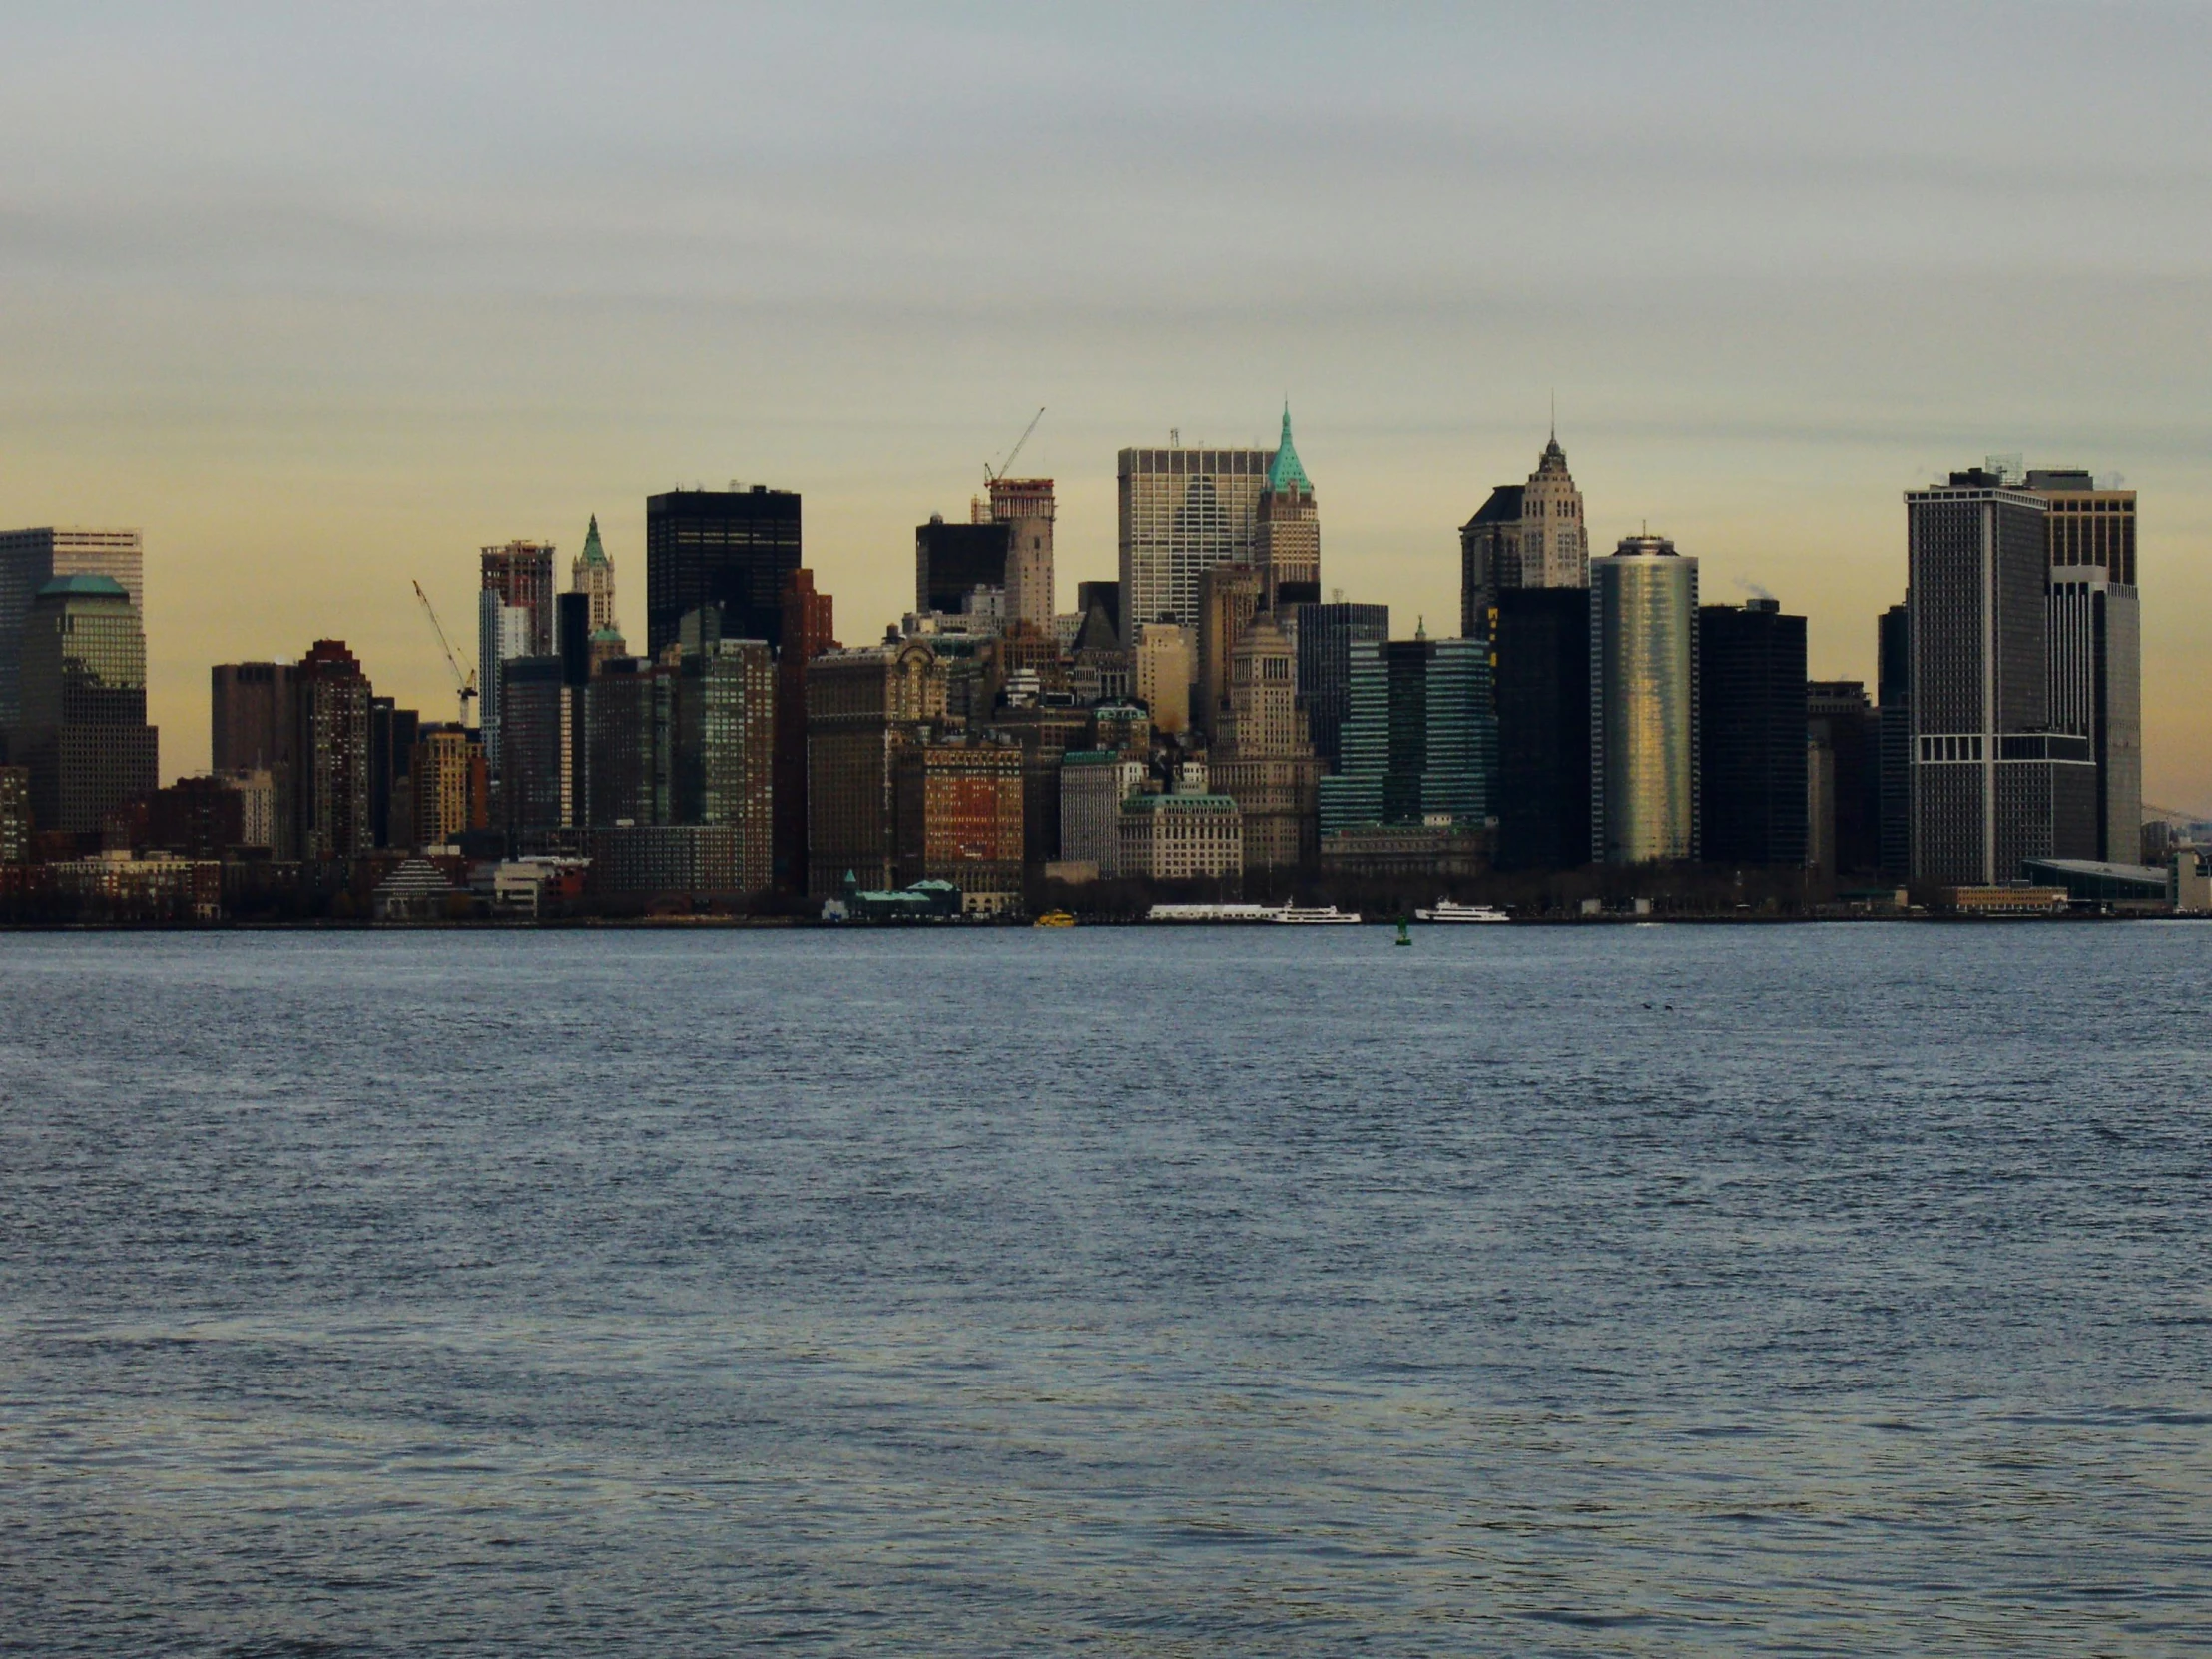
{"points": [[593, 554], [1285, 471]]}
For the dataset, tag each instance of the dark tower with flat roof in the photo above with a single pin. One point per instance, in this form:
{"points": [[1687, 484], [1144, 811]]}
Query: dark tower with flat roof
{"points": [[727, 548], [1753, 733]]}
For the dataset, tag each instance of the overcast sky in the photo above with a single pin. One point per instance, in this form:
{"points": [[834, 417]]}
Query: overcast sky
{"points": [[325, 298]]}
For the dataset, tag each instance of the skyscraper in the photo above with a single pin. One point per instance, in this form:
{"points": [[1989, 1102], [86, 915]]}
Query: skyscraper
{"points": [[533, 737], [723, 748], [1288, 549], [1846, 730], [809, 629], [450, 785], [1165, 666], [592, 575], [1751, 734], [1993, 783], [1643, 705], [392, 732], [864, 707], [1420, 738], [1182, 512], [2097, 659], [714, 547], [29, 559], [251, 707], [1893, 693], [1540, 650], [83, 731], [504, 632], [521, 574], [330, 747], [952, 560], [1261, 758], [1026, 507], [1325, 635], [1528, 535], [1229, 596]]}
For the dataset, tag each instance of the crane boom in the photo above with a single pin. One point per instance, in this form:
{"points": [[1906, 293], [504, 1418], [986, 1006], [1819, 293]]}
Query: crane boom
{"points": [[990, 477], [464, 684]]}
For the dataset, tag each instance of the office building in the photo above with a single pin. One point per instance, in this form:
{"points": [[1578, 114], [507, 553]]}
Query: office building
{"points": [[809, 630], [2097, 657], [504, 632], [1228, 599], [1287, 545], [82, 693], [521, 575], [1894, 695], [864, 707], [1993, 784], [1752, 735], [1419, 738], [690, 858], [331, 772], [534, 794], [1106, 596], [1166, 663], [1325, 635], [15, 814], [1846, 736], [1093, 785], [960, 816], [1188, 834], [625, 773], [1643, 705], [250, 722], [450, 785], [264, 810], [731, 549], [723, 748], [1180, 513], [195, 817], [593, 576], [29, 559], [1540, 654], [1025, 507], [1261, 758], [958, 567], [1528, 535], [392, 732]]}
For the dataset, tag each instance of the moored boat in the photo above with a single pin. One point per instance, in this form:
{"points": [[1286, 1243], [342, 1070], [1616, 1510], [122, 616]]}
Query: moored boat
{"points": [[1445, 910], [1326, 915]]}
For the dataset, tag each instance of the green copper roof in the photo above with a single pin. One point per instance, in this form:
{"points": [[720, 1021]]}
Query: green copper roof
{"points": [[1285, 471], [104, 587], [594, 554]]}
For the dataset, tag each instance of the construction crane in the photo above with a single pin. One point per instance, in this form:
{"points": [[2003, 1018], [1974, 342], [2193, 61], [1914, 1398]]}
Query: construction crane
{"points": [[991, 476], [464, 683]]}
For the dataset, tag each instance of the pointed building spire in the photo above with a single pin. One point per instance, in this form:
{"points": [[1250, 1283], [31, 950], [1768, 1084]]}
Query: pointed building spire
{"points": [[593, 553], [1286, 473]]}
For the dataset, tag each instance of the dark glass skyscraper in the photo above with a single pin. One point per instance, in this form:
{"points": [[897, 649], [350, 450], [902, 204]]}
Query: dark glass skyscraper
{"points": [[1753, 734], [952, 560], [1419, 738], [1325, 635], [83, 731], [728, 548], [1540, 646], [1894, 691]]}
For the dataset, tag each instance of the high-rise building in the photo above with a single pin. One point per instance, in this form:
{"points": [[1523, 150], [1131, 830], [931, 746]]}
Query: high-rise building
{"points": [[1026, 507], [1419, 740], [809, 629], [1261, 756], [1287, 540], [251, 725], [1325, 635], [504, 632], [1228, 599], [1093, 785], [331, 772], [15, 814], [2097, 657], [82, 730], [1894, 692], [592, 575], [1993, 783], [1091, 596], [1845, 729], [864, 707], [533, 743], [1540, 653], [521, 574], [1182, 512], [29, 559], [1643, 705], [449, 783], [1751, 734], [714, 547], [723, 748], [1528, 535], [392, 732], [959, 815], [1165, 664], [625, 771], [952, 561]]}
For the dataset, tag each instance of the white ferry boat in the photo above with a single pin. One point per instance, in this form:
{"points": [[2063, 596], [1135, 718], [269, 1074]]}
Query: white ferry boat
{"points": [[1328, 915], [1213, 913], [1446, 910]]}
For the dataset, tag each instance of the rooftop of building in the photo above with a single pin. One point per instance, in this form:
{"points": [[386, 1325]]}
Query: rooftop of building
{"points": [[1503, 506], [84, 587], [1179, 804]]}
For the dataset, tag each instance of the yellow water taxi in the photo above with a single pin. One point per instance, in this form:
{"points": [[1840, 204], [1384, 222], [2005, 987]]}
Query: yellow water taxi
{"points": [[1055, 918]]}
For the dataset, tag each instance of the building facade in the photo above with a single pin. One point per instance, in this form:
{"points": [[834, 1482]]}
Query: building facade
{"points": [[1287, 532], [81, 732], [1643, 705], [2096, 656], [1181, 836], [1182, 512], [1753, 733], [1325, 635], [1419, 743], [1894, 712], [1166, 663], [29, 559], [1540, 674], [520, 574], [864, 707], [592, 575], [809, 629], [1025, 506], [1093, 785], [1846, 736], [959, 815], [1261, 758], [1530, 535], [1229, 597], [953, 561], [331, 746], [724, 749], [451, 785], [727, 548]]}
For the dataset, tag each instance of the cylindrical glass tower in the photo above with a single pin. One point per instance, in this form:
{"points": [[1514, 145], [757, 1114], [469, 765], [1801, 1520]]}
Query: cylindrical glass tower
{"points": [[1643, 705]]}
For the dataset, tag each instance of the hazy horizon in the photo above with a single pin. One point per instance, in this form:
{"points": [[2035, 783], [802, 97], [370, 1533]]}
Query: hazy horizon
{"points": [[325, 303]]}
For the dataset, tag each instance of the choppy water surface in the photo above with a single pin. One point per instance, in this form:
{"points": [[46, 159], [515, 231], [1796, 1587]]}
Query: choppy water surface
{"points": [[1622, 1290]]}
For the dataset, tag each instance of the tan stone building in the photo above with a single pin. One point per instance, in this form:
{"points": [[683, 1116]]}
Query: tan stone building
{"points": [[1165, 666], [1025, 506], [1183, 837], [452, 787], [1528, 535], [1228, 599], [1287, 548], [1261, 758]]}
